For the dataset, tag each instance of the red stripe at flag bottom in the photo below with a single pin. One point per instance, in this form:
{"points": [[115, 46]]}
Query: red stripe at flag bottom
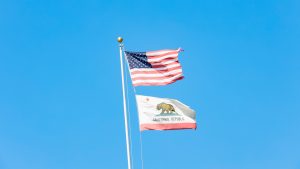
{"points": [[173, 126]]}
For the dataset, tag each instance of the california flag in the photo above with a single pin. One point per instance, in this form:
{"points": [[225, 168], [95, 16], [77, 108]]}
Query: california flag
{"points": [[164, 114]]}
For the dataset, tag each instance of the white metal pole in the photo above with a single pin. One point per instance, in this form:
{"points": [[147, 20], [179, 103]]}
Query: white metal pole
{"points": [[124, 104]]}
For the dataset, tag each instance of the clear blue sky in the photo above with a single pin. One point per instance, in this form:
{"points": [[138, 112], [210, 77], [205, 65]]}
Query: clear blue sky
{"points": [[60, 85]]}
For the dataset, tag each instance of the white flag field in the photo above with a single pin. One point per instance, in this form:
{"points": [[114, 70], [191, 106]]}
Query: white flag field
{"points": [[164, 114]]}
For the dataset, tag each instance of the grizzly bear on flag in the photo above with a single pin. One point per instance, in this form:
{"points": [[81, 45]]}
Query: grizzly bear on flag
{"points": [[164, 107]]}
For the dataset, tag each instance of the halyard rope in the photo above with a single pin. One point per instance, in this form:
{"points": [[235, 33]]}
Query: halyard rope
{"points": [[141, 148]]}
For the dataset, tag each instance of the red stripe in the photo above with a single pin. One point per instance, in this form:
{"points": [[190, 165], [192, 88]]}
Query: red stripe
{"points": [[163, 66], [163, 62], [173, 126], [156, 78], [153, 71], [161, 55], [156, 83]]}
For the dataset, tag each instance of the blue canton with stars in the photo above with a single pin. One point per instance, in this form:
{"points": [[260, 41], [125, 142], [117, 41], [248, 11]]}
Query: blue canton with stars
{"points": [[137, 60]]}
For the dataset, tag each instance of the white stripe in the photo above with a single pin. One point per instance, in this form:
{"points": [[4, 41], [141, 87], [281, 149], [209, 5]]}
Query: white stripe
{"points": [[164, 63], [151, 69], [158, 74], [163, 57], [160, 52], [157, 81]]}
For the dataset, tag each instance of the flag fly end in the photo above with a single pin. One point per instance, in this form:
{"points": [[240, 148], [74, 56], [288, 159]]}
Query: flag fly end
{"points": [[180, 49]]}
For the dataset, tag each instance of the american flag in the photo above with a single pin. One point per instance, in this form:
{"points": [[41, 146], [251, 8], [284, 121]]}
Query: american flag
{"points": [[154, 68]]}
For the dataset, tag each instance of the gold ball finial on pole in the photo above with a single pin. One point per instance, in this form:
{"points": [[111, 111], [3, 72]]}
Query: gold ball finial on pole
{"points": [[120, 39]]}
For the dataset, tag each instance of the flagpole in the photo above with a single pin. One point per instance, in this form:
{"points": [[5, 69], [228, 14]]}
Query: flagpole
{"points": [[120, 40]]}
